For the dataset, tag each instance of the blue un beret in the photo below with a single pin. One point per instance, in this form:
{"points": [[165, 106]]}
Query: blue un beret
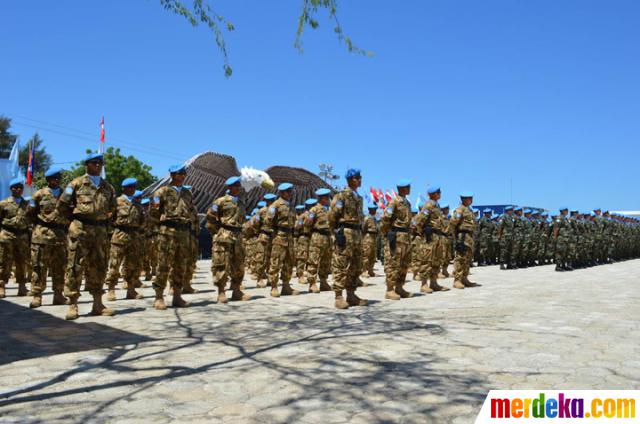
{"points": [[487, 210], [403, 183], [544, 214], [527, 211], [144, 201], [232, 180], [352, 172], [175, 169], [508, 208], [269, 196], [310, 202], [466, 194], [129, 182], [323, 192], [16, 181], [52, 172], [285, 186], [137, 194], [262, 204], [414, 209], [299, 207], [433, 188], [519, 208], [372, 206], [92, 156], [564, 208], [187, 187]]}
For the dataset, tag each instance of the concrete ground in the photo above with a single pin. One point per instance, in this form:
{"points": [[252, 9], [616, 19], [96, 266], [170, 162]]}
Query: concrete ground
{"points": [[432, 358]]}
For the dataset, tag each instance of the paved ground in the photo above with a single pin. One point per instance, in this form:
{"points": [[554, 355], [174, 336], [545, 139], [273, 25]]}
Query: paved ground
{"points": [[431, 358]]}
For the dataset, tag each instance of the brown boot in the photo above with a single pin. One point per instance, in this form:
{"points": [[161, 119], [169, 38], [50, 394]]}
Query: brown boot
{"points": [[468, 283], [340, 302], [371, 274], [402, 292], [457, 284], [72, 313], [287, 290], [424, 288], [147, 276], [274, 290], [324, 286], [36, 302], [132, 294], [313, 288], [222, 295], [445, 272], [261, 284], [98, 307], [111, 291], [354, 300], [58, 298], [238, 295], [159, 302], [3, 293], [437, 287], [360, 283], [391, 293], [178, 301], [22, 290], [188, 289]]}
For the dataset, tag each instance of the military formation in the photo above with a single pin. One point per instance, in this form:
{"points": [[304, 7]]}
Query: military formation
{"points": [[87, 233]]}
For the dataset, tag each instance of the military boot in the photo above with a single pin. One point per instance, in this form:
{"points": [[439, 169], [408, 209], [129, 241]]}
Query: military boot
{"points": [[188, 289], [457, 284], [274, 290], [324, 286], [238, 295], [340, 303], [22, 289], [111, 291], [98, 307], [287, 290], [445, 272], [36, 302], [3, 293], [433, 283], [360, 283], [424, 288], [222, 295], [147, 276], [313, 287], [371, 274], [72, 312], [468, 283], [402, 292], [132, 294], [261, 283], [391, 293], [178, 301], [559, 268], [58, 298], [159, 302], [354, 300]]}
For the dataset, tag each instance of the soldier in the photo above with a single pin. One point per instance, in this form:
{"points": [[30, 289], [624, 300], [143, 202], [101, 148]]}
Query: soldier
{"points": [[280, 221], [91, 201], [396, 221], [463, 225], [370, 235], [527, 239], [194, 234], [416, 245], [224, 220], [518, 237], [301, 238], [430, 224], [485, 230], [506, 226], [172, 208], [447, 244], [125, 249], [14, 238], [562, 235], [150, 260], [265, 236], [345, 219], [317, 224], [48, 250]]}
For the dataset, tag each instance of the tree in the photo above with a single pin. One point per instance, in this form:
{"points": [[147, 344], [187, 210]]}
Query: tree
{"points": [[42, 159], [201, 12], [6, 138]]}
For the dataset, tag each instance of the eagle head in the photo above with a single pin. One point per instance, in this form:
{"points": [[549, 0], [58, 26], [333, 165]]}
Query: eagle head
{"points": [[251, 177]]}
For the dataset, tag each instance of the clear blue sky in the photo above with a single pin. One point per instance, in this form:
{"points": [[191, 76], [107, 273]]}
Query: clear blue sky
{"points": [[471, 94]]}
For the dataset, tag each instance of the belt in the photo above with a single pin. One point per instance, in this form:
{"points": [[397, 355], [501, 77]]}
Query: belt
{"points": [[400, 230], [94, 222], [372, 232], [286, 230], [127, 228], [321, 231], [350, 226], [236, 230], [266, 233], [465, 231], [52, 225], [15, 230], [439, 232], [176, 225]]}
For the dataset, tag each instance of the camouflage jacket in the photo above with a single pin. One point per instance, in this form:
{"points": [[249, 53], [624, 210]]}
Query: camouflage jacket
{"points": [[172, 207], [83, 199], [280, 221], [128, 221], [463, 224], [50, 224], [13, 219], [225, 219], [346, 208]]}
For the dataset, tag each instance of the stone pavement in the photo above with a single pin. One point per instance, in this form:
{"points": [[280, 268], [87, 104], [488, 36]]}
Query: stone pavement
{"points": [[431, 358]]}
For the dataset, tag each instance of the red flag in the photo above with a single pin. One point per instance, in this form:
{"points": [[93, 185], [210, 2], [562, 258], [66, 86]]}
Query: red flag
{"points": [[102, 130], [374, 194], [30, 165], [388, 196]]}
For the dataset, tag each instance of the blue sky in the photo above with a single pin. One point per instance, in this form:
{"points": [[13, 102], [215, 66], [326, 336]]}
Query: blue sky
{"points": [[542, 96]]}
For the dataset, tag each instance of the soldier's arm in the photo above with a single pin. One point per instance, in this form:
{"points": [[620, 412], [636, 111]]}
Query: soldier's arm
{"points": [[66, 200], [387, 218], [113, 204], [335, 211], [156, 202], [213, 218]]}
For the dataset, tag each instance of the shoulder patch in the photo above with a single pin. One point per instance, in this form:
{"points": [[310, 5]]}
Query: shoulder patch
{"points": [[214, 207], [339, 204], [69, 190], [156, 200], [32, 203], [272, 210], [458, 215], [389, 211], [312, 215], [425, 211]]}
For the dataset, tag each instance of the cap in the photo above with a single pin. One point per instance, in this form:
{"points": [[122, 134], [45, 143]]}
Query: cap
{"points": [[433, 188], [527, 211], [16, 181], [94, 155], [564, 208], [323, 192], [299, 207], [144, 201], [137, 194], [403, 183], [53, 172], [372, 206], [352, 172], [310, 202], [261, 204], [487, 210], [129, 182], [285, 186], [269, 196], [177, 169], [445, 206], [508, 208], [466, 194], [232, 180]]}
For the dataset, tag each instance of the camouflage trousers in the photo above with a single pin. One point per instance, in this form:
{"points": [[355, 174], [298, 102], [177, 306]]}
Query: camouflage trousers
{"points": [[262, 256], [432, 257], [319, 262], [562, 250], [461, 264], [127, 256], [87, 256], [346, 261], [447, 252], [369, 252], [302, 253], [150, 255], [227, 263], [14, 253], [174, 254], [281, 262], [506, 249], [416, 252], [194, 253], [484, 242], [48, 259], [396, 264]]}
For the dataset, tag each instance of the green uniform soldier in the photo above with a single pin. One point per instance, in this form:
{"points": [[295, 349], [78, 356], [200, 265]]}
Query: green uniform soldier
{"points": [[345, 219], [48, 240], [447, 244], [224, 220], [172, 208], [395, 226], [301, 245], [265, 238], [125, 242], [370, 230], [194, 234], [506, 227], [317, 224], [486, 227], [91, 202], [463, 225], [150, 262], [14, 238], [562, 235], [280, 221]]}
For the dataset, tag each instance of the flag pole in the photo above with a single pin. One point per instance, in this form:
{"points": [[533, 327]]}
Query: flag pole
{"points": [[103, 174]]}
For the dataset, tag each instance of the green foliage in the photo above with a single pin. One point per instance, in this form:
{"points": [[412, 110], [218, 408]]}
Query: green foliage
{"points": [[6, 137], [42, 160], [117, 167]]}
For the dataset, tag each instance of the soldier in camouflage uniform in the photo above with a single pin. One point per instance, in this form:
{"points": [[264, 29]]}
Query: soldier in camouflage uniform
{"points": [[561, 235], [486, 227], [279, 222], [447, 244], [91, 201], [172, 208], [194, 235], [370, 235], [48, 240], [463, 225], [265, 238], [395, 225], [14, 238], [301, 237], [345, 219], [518, 236], [150, 249], [125, 242], [416, 245], [225, 219], [317, 224], [506, 225]]}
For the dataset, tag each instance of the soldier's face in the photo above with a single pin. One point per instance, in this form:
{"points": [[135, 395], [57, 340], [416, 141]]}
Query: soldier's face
{"points": [[286, 195], [404, 191], [16, 190], [467, 201], [355, 182], [323, 200], [178, 178], [129, 190], [53, 182], [94, 167], [234, 190]]}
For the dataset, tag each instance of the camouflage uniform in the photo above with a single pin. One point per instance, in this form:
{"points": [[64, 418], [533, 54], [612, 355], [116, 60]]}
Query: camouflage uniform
{"points": [[319, 263], [562, 239], [507, 241], [447, 247], [14, 243], [150, 247], [125, 246], [48, 243], [280, 221], [370, 230], [263, 244], [431, 225], [395, 225], [463, 225], [302, 237], [225, 221], [194, 251], [486, 228]]}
